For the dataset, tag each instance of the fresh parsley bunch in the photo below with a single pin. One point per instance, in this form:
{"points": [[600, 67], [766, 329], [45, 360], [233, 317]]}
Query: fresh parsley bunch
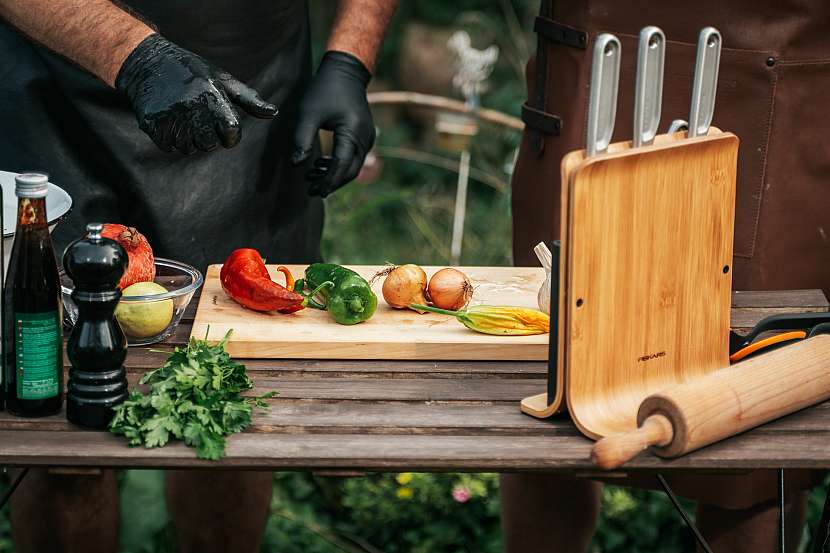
{"points": [[195, 397]]}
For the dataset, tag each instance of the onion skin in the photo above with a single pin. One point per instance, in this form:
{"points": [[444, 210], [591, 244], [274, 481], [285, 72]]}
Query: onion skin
{"points": [[405, 285], [450, 289]]}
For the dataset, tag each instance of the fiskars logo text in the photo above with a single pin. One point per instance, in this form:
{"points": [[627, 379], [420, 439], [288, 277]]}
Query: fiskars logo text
{"points": [[651, 356]]}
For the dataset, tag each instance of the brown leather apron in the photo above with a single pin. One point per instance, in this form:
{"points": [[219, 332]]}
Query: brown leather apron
{"points": [[772, 93]]}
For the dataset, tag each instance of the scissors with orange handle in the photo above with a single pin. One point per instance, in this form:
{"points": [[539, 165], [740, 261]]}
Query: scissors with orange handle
{"points": [[787, 328]]}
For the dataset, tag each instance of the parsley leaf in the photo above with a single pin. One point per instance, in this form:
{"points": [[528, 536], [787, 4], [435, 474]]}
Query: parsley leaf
{"points": [[194, 397]]}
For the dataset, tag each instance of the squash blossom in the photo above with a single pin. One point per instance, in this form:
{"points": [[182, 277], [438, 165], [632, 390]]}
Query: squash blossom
{"points": [[495, 319]]}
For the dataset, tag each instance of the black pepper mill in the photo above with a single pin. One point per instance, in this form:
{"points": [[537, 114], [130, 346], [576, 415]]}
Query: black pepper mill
{"points": [[97, 346]]}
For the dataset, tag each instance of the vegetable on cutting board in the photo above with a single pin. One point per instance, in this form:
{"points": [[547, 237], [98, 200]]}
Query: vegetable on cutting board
{"points": [[450, 289], [407, 285], [499, 320], [246, 280], [194, 397], [348, 296], [403, 285]]}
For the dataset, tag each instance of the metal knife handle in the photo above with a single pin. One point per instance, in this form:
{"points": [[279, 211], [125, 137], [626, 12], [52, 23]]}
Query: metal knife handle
{"points": [[602, 101], [648, 91], [705, 83]]}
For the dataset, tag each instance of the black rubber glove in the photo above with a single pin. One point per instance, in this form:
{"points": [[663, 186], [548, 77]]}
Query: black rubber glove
{"points": [[335, 101], [181, 101]]}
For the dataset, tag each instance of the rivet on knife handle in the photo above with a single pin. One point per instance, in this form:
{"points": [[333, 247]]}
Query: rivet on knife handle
{"points": [[602, 101], [648, 92], [705, 83]]}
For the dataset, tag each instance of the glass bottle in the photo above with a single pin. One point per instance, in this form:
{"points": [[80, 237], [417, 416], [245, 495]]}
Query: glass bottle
{"points": [[33, 310]]}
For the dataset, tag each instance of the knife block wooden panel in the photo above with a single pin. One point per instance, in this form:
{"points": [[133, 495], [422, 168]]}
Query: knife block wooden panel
{"points": [[645, 276]]}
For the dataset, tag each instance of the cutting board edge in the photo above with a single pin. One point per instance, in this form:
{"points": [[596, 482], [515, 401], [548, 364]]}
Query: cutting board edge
{"points": [[388, 351]]}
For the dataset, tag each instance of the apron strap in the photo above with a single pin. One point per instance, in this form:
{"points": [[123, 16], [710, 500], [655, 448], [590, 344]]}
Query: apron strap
{"points": [[548, 32]]}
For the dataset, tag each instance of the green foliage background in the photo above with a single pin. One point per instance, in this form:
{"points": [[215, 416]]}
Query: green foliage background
{"points": [[405, 216]]}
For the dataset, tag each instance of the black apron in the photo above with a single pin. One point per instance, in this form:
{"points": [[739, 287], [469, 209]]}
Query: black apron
{"points": [[57, 118]]}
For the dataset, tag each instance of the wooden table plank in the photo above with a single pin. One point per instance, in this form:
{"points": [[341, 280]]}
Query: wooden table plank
{"points": [[390, 417], [404, 453], [315, 417], [781, 300], [142, 359]]}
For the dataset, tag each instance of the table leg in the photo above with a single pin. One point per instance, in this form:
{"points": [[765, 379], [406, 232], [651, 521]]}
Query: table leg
{"points": [[679, 508], [781, 511], [15, 483], [821, 538]]}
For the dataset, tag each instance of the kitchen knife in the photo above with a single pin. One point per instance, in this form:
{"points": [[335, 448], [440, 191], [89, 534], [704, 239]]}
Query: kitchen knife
{"points": [[705, 83], [648, 91], [602, 101]]}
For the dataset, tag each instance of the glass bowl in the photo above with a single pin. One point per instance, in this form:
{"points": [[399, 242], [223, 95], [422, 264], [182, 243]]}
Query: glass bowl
{"points": [[181, 282]]}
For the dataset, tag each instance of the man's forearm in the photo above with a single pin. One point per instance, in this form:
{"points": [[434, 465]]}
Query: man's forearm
{"points": [[95, 34], [359, 28]]}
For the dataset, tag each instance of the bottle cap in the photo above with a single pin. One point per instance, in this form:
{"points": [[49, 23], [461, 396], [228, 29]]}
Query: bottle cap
{"points": [[31, 185]]}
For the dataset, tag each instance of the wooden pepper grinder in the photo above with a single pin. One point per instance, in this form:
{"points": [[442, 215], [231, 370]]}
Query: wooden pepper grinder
{"points": [[97, 346]]}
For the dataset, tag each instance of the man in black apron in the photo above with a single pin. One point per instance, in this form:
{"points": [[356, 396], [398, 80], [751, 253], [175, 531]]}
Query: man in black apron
{"points": [[120, 106]]}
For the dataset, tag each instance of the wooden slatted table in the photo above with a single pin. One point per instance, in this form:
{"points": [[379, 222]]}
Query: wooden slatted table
{"points": [[418, 416]]}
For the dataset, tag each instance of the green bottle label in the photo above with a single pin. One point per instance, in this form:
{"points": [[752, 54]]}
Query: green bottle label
{"points": [[38, 350]]}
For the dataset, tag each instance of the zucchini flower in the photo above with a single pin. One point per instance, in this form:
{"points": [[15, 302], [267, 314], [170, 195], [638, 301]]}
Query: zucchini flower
{"points": [[495, 319]]}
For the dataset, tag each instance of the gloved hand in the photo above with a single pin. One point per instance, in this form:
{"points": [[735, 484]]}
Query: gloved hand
{"points": [[181, 101], [335, 101]]}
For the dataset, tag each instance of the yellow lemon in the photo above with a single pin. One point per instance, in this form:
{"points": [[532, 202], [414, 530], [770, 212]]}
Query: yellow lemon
{"points": [[145, 318]]}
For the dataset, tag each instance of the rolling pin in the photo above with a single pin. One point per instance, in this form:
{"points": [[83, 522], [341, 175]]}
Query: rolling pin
{"points": [[709, 408]]}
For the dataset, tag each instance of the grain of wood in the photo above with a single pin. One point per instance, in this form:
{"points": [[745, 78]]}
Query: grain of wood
{"points": [[753, 450], [140, 360], [650, 234], [539, 405], [389, 334], [291, 416], [711, 407], [788, 300]]}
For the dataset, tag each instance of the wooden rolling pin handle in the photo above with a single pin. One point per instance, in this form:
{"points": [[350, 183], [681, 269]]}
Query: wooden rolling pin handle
{"points": [[612, 451]]}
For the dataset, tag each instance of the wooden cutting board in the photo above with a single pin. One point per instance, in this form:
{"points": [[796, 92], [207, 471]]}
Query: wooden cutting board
{"points": [[389, 334]]}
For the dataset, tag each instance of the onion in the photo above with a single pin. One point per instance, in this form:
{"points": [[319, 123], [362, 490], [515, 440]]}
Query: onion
{"points": [[450, 289], [404, 285]]}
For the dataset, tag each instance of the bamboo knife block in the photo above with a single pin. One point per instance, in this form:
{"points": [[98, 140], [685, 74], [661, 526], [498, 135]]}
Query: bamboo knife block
{"points": [[645, 276]]}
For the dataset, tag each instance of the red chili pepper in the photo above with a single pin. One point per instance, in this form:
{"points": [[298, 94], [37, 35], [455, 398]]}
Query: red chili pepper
{"points": [[246, 280]]}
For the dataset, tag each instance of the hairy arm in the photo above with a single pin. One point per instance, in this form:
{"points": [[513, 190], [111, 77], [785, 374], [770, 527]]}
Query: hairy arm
{"points": [[95, 34], [359, 28]]}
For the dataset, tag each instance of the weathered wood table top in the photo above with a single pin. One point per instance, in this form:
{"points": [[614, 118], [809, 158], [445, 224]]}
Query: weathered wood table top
{"points": [[420, 416]]}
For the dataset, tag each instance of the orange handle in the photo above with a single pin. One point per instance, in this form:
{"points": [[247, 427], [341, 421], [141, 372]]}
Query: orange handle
{"points": [[765, 343]]}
